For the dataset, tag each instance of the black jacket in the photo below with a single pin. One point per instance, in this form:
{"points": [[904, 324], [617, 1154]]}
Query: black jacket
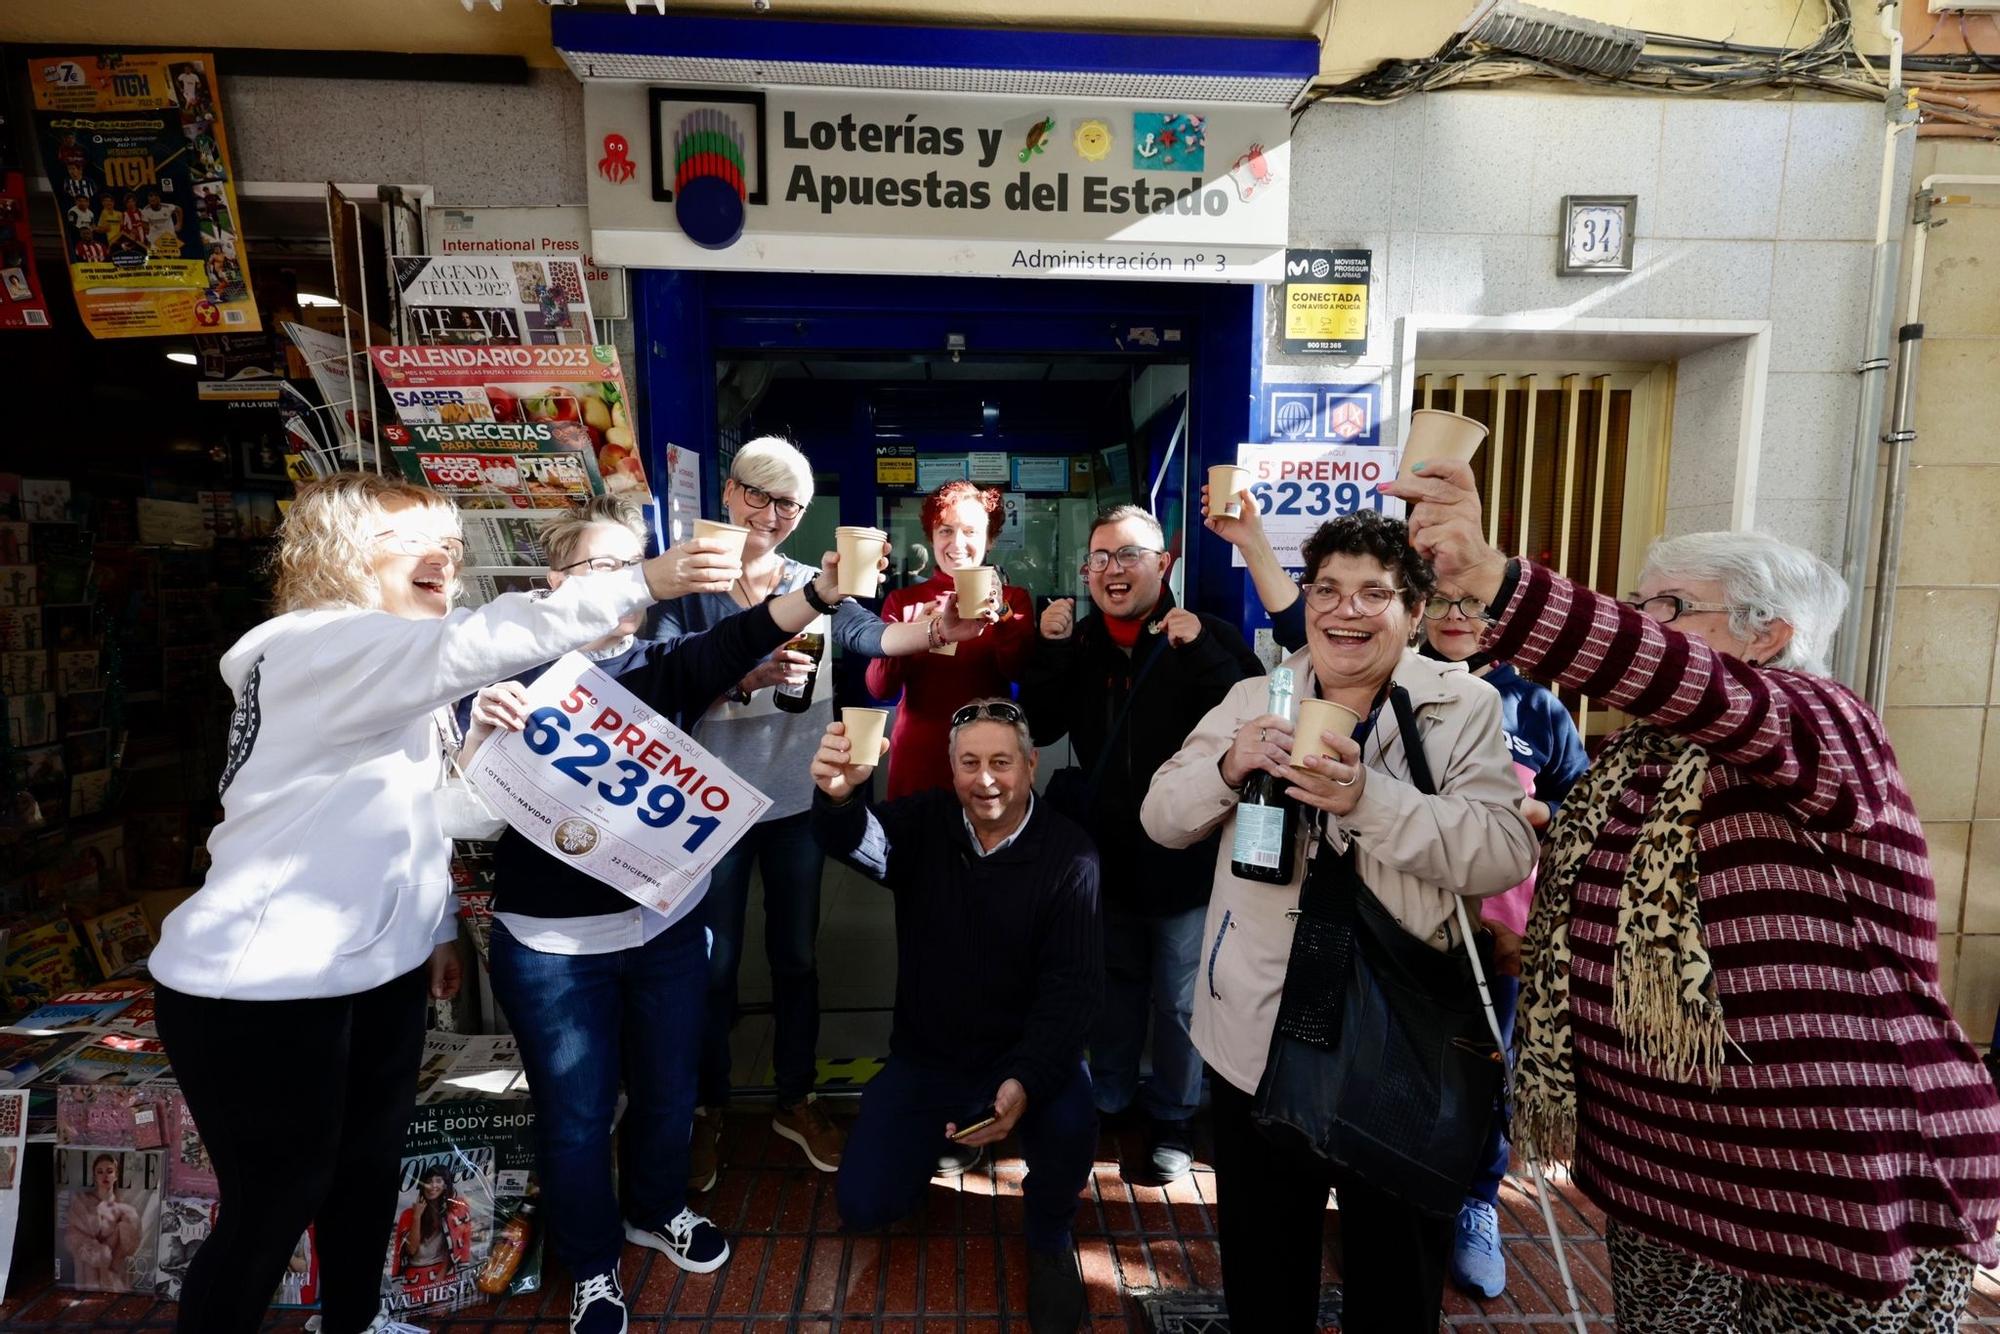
{"points": [[999, 959], [1076, 686]]}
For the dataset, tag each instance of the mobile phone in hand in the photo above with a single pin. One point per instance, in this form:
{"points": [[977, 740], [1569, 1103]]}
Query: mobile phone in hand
{"points": [[981, 1119]]}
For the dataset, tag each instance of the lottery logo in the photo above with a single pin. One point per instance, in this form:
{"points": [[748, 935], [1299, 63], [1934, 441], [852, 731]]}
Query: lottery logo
{"points": [[575, 837]]}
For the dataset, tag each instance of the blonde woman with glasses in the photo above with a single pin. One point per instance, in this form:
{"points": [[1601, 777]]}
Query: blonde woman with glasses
{"points": [[325, 919]]}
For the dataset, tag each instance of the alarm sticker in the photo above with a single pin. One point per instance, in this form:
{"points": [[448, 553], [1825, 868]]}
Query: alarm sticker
{"points": [[1325, 301]]}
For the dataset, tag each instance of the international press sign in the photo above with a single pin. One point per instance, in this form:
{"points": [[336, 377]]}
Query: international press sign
{"points": [[1299, 485], [600, 780]]}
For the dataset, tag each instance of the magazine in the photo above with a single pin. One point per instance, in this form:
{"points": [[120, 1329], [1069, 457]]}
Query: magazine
{"points": [[114, 1058], [504, 497], [299, 1285], [115, 1115], [118, 938], [107, 1218], [92, 1008], [24, 1059], [465, 301], [444, 1228], [13, 1146], [42, 961], [185, 1222]]}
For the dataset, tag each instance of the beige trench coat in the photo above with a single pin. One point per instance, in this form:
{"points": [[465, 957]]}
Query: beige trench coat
{"points": [[1415, 852]]}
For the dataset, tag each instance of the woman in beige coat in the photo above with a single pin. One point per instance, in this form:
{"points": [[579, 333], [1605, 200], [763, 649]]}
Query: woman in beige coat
{"points": [[1363, 588]]}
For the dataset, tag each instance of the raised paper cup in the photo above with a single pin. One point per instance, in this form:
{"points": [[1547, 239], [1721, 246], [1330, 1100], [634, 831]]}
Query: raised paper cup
{"points": [[1439, 435], [1224, 481], [864, 733], [976, 587], [1316, 716], [860, 549], [726, 533]]}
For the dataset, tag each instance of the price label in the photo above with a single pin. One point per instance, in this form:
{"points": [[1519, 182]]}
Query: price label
{"points": [[598, 779]]}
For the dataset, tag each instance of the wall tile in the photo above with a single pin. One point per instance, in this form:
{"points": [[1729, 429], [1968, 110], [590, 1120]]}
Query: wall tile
{"points": [[1617, 152], [1956, 398], [1833, 172], [1982, 880], [1346, 162], [1958, 295], [1504, 275], [1939, 753], [1817, 525], [537, 167], [1942, 646], [1948, 843], [1721, 164], [1948, 976], [1480, 148], [1976, 988], [1808, 445], [1949, 532], [326, 130], [1988, 806], [1819, 303]]}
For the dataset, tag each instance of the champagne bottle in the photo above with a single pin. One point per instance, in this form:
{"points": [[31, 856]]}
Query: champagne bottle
{"points": [[1267, 822], [509, 1249], [810, 641]]}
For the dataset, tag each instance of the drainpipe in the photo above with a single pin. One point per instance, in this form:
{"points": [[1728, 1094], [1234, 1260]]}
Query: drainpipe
{"points": [[1899, 113]]}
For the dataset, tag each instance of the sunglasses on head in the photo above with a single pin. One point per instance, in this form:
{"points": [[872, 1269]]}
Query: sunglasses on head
{"points": [[999, 711]]}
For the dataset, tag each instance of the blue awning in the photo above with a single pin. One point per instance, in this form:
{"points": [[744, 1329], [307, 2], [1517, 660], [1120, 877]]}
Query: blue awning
{"points": [[684, 48]]}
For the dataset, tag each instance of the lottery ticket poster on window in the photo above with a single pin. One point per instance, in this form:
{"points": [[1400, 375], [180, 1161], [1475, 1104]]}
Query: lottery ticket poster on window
{"points": [[600, 780], [138, 159]]}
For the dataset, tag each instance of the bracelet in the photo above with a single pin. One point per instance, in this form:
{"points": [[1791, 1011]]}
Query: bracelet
{"points": [[934, 636], [813, 599]]}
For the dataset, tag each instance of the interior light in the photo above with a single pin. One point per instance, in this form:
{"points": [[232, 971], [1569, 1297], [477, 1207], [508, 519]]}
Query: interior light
{"points": [[315, 299], [184, 358]]}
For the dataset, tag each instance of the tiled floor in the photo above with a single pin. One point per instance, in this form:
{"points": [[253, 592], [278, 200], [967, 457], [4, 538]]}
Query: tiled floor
{"points": [[958, 1269]]}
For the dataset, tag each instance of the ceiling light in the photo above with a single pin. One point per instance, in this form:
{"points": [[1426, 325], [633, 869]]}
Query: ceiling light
{"points": [[1560, 39], [315, 299], [184, 358]]}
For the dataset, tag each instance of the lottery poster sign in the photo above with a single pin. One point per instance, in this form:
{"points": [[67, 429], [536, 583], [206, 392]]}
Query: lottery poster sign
{"points": [[138, 159], [1300, 485], [600, 780]]}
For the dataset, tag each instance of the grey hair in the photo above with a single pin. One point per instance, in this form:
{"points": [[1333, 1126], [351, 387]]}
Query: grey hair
{"points": [[1764, 581], [774, 464], [562, 535], [1022, 736], [1111, 514]]}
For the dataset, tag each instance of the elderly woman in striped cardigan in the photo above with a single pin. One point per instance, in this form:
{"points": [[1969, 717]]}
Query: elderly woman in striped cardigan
{"points": [[1731, 1023]]}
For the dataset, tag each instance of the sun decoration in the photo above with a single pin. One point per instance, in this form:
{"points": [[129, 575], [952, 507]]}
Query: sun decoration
{"points": [[1093, 141]]}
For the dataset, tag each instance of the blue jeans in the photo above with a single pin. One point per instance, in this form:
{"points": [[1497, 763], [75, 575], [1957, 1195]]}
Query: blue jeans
{"points": [[1149, 973], [791, 861], [1486, 1185], [583, 1021], [893, 1149]]}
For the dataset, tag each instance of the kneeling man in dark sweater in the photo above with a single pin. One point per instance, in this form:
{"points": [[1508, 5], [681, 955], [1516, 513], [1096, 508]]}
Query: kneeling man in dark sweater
{"points": [[999, 972]]}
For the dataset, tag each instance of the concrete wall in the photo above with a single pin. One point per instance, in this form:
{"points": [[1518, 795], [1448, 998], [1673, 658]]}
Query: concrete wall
{"points": [[1944, 691], [1760, 211]]}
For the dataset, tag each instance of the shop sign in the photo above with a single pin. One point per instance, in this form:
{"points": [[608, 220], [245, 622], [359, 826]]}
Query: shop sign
{"points": [[601, 781], [138, 159], [1301, 485], [884, 182], [531, 232], [1326, 301]]}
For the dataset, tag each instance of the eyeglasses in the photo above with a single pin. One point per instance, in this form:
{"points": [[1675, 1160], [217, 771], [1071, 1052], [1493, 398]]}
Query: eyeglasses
{"points": [[416, 544], [1372, 600], [998, 711], [1666, 608], [758, 498], [1124, 558], [601, 564], [1437, 606]]}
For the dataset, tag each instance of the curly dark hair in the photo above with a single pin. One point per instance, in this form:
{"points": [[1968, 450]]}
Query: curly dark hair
{"points": [[1366, 533]]}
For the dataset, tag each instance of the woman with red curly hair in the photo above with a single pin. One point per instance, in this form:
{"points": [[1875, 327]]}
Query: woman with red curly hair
{"points": [[961, 521]]}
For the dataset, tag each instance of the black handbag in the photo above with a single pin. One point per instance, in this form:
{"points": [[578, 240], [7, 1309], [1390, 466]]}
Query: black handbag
{"points": [[1382, 1061]]}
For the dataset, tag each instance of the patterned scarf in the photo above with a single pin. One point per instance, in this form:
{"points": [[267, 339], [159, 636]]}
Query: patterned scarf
{"points": [[1662, 987]]}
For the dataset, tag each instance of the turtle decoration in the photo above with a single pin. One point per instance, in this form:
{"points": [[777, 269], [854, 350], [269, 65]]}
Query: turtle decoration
{"points": [[1038, 137]]}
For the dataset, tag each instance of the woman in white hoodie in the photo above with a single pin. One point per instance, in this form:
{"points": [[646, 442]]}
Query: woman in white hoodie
{"points": [[292, 985]]}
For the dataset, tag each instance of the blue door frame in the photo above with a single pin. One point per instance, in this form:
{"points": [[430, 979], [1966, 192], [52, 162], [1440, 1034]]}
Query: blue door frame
{"points": [[686, 319]]}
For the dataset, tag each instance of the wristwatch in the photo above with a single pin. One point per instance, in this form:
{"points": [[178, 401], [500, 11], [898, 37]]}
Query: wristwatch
{"points": [[816, 602]]}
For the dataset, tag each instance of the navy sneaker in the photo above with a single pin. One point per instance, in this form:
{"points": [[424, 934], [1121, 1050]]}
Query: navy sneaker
{"points": [[597, 1307], [1478, 1265], [690, 1241]]}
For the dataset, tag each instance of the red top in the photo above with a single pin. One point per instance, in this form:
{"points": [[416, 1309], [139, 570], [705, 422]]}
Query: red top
{"points": [[935, 685], [1854, 1124]]}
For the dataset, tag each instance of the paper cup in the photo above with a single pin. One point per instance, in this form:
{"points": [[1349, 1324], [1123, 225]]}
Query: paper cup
{"points": [[1224, 481], [860, 549], [1439, 435], [1316, 716], [726, 533], [976, 587], [864, 733]]}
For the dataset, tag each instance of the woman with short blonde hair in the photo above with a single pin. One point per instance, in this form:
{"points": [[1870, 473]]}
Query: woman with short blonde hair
{"points": [[326, 914]]}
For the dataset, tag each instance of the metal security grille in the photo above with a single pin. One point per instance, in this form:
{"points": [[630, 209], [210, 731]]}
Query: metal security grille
{"points": [[1558, 475]]}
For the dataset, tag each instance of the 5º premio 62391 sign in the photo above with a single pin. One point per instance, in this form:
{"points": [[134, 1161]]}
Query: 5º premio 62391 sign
{"points": [[599, 779], [1299, 486]]}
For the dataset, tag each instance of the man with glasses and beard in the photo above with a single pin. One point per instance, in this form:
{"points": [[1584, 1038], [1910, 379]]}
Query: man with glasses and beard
{"points": [[1127, 685], [998, 973]]}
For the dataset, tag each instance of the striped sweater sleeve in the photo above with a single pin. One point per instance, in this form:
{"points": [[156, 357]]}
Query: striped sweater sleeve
{"points": [[1806, 737]]}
